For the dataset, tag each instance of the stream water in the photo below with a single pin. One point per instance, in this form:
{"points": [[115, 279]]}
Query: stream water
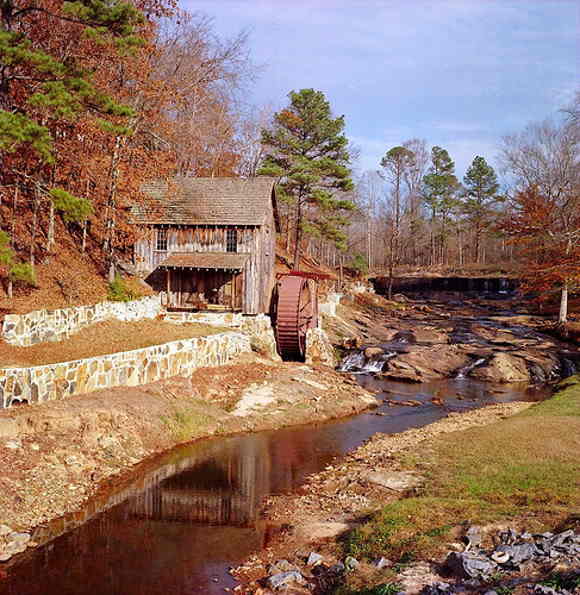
{"points": [[178, 525]]}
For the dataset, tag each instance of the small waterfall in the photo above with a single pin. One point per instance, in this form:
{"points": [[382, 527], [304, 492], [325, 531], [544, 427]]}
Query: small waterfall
{"points": [[357, 362], [465, 371], [353, 361]]}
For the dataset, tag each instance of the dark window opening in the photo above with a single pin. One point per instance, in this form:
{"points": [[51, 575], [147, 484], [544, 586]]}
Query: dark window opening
{"points": [[161, 243], [232, 240]]}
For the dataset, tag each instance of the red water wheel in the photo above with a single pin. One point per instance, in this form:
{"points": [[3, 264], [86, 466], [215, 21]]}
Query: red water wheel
{"points": [[296, 312]]}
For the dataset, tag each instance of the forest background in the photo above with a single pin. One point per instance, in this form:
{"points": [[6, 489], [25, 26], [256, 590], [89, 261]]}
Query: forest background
{"points": [[98, 97]]}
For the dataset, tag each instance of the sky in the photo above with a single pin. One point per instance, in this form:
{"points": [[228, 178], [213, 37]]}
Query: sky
{"points": [[460, 74]]}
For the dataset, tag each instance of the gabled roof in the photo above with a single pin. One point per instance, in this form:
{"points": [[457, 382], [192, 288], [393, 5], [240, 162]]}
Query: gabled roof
{"points": [[206, 260], [209, 201]]}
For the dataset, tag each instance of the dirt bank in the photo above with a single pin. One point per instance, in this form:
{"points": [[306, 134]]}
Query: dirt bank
{"points": [[57, 454], [102, 338]]}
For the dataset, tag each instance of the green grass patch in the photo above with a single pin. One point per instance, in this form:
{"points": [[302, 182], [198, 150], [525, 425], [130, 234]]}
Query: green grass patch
{"points": [[525, 466], [566, 402], [184, 424]]}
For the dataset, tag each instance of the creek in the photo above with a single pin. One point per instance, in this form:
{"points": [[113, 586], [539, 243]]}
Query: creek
{"points": [[178, 524]]}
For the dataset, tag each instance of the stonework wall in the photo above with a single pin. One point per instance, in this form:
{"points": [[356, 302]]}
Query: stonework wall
{"points": [[129, 368], [258, 328], [319, 350], [54, 325]]}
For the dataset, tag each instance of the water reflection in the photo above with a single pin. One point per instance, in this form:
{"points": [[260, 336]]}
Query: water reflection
{"points": [[177, 526]]}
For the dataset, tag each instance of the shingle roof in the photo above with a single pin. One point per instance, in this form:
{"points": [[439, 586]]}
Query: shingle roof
{"points": [[206, 260], [210, 201]]}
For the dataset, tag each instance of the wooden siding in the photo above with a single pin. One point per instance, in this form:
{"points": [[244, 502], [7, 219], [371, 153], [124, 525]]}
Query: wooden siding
{"points": [[257, 278]]}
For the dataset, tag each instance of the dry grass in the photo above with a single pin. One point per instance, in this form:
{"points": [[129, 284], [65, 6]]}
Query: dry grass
{"points": [[524, 470], [99, 339]]}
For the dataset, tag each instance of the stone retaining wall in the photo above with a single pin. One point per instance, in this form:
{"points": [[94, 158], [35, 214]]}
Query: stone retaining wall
{"points": [[258, 328], [129, 368], [54, 325]]}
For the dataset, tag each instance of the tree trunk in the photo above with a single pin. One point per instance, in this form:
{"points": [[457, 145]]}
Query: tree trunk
{"points": [[563, 316], [110, 217], [296, 264], [13, 222], [84, 240], [34, 225], [50, 237]]}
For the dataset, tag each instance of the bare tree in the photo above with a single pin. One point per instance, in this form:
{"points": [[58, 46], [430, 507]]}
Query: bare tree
{"points": [[545, 159], [249, 142]]}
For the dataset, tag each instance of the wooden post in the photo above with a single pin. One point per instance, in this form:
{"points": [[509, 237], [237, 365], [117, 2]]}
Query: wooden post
{"points": [[233, 290], [168, 287]]}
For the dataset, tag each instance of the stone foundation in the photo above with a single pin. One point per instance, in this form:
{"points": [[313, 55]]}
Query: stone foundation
{"points": [[319, 350], [55, 325], [129, 368], [258, 328]]}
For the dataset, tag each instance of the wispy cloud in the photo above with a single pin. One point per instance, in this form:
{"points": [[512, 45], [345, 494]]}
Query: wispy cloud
{"points": [[459, 73]]}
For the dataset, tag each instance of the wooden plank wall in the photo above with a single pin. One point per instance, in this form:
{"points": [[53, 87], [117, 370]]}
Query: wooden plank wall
{"points": [[255, 280]]}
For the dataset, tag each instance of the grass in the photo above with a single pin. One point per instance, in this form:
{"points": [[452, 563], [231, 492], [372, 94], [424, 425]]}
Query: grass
{"points": [[185, 424], [522, 469]]}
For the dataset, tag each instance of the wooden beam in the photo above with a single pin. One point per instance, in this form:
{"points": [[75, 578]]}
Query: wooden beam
{"points": [[168, 287]]}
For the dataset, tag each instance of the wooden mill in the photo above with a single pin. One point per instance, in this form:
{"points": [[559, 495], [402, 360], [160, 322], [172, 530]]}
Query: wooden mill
{"points": [[208, 244]]}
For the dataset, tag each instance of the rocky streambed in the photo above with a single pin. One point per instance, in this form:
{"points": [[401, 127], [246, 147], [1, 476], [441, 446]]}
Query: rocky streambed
{"points": [[432, 339]]}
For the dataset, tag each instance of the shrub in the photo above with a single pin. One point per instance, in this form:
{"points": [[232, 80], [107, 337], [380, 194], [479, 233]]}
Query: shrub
{"points": [[22, 273], [121, 291], [358, 263]]}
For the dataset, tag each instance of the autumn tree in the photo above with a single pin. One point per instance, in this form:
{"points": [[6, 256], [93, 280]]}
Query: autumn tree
{"points": [[307, 152], [480, 196], [544, 161], [52, 102]]}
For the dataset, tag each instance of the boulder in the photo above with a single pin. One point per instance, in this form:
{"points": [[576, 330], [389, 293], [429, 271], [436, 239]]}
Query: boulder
{"points": [[423, 363], [430, 335], [373, 351], [503, 367], [398, 481], [466, 565]]}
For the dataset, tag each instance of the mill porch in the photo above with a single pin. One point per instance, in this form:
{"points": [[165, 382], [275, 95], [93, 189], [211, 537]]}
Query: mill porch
{"points": [[205, 281]]}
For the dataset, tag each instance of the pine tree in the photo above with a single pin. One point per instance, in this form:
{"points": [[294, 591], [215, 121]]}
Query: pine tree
{"points": [[481, 188], [439, 188], [44, 88], [307, 151]]}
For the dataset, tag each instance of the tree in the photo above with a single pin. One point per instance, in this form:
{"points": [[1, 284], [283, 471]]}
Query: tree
{"points": [[307, 152], [396, 164], [544, 161], [439, 187], [549, 233], [480, 182], [413, 177], [54, 82]]}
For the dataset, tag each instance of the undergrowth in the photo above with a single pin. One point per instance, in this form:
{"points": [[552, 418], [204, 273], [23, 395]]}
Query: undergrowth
{"points": [[121, 290]]}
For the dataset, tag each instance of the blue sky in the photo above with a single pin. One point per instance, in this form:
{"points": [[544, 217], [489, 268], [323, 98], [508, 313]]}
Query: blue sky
{"points": [[458, 73]]}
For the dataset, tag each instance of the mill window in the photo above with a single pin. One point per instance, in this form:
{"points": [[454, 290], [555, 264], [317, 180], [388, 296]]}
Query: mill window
{"points": [[161, 243], [232, 240]]}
